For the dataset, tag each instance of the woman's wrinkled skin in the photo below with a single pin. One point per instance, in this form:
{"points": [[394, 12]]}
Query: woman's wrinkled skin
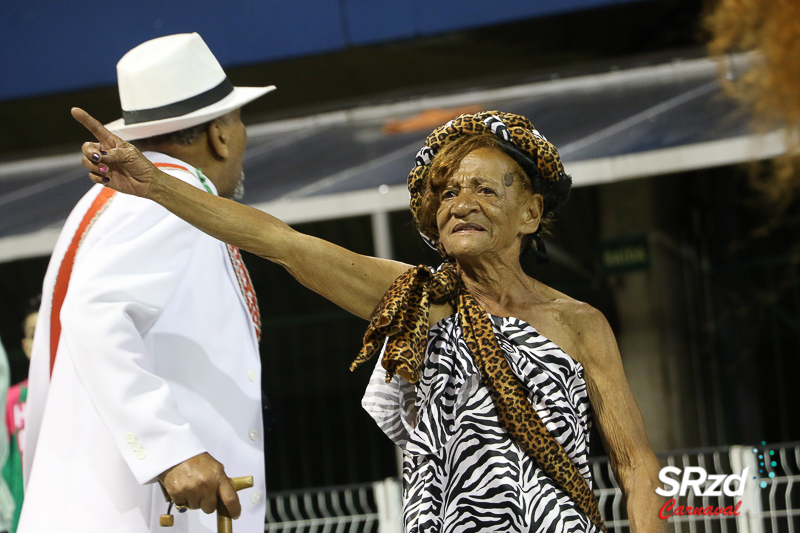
{"points": [[485, 208]]}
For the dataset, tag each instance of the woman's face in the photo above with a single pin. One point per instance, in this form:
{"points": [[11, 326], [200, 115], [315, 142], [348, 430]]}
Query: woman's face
{"points": [[485, 208]]}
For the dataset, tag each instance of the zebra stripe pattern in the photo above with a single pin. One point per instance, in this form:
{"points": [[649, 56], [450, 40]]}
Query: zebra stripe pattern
{"points": [[461, 471]]}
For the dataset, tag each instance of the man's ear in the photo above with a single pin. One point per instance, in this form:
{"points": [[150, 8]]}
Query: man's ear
{"points": [[218, 140]]}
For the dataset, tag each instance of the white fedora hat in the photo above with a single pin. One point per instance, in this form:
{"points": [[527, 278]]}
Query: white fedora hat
{"points": [[171, 83]]}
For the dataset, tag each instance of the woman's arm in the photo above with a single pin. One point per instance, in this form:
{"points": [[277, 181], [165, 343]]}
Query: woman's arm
{"points": [[619, 420], [354, 282]]}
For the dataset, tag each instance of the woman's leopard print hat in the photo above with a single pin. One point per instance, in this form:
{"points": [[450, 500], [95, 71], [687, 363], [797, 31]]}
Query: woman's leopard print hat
{"points": [[520, 140]]}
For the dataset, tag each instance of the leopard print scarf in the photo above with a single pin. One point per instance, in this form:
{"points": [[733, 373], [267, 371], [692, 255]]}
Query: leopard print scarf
{"points": [[402, 318]]}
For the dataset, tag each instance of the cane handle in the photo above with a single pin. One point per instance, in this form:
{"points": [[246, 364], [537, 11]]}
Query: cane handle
{"points": [[224, 521]]}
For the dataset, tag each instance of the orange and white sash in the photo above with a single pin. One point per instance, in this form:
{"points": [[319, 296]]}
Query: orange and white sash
{"points": [[65, 269], [246, 286]]}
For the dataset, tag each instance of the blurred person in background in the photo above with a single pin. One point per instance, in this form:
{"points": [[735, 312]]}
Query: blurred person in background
{"points": [[770, 87], [487, 379], [146, 367], [15, 416], [6, 499]]}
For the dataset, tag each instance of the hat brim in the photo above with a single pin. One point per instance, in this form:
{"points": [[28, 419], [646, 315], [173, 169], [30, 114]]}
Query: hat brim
{"points": [[239, 97]]}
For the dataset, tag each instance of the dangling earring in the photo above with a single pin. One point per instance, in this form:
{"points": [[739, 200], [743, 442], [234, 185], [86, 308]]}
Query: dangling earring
{"points": [[539, 250]]}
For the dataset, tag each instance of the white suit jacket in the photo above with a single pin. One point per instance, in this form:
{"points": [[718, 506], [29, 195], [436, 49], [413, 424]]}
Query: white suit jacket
{"points": [[157, 362]]}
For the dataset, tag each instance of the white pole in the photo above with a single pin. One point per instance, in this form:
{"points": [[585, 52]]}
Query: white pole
{"points": [[382, 244], [387, 497], [749, 520], [382, 235]]}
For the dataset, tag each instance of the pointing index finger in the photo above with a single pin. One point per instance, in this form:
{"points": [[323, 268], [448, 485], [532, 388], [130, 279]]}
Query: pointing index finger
{"points": [[91, 124]]}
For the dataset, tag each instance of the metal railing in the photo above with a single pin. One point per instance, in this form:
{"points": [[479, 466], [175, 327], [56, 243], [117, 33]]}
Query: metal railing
{"points": [[364, 508], [780, 503], [715, 461], [770, 503]]}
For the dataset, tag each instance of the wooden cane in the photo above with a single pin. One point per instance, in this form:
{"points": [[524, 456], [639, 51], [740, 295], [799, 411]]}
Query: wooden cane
{"points": [[224, 522]]}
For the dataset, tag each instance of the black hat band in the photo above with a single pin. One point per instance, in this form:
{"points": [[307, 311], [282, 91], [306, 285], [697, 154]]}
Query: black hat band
{"points": [[178, 109]]}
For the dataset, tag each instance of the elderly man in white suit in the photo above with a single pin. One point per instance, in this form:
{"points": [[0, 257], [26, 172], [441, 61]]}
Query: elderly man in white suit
{"points": [[146, 368]]}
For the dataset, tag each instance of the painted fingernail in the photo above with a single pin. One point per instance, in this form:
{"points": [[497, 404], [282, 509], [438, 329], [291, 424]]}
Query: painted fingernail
{"points": [[182, 509], [96, 157], [104, 153], [106, 180], [103, 169]]}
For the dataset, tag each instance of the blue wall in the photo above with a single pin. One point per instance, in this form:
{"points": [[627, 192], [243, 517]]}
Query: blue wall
{"points": [[53, 46]]}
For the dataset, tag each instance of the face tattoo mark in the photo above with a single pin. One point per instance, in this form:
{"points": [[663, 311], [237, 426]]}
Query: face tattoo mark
{"points": [[509, 179]]}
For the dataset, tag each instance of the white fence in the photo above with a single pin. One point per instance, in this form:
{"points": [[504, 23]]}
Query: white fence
{"points": [[367, 508], [770, 503]]}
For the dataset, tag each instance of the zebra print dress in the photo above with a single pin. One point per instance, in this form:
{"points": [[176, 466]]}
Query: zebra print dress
{"points": [[461, 471]]}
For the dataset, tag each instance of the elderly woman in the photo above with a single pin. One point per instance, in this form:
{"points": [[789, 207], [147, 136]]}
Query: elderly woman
{"points": [[491, 377]]}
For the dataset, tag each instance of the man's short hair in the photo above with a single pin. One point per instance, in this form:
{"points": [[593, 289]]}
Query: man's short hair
{"points": [[184, 137]]}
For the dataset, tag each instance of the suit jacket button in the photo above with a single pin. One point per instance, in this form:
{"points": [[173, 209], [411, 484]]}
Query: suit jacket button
{"points": [[140, 454]]}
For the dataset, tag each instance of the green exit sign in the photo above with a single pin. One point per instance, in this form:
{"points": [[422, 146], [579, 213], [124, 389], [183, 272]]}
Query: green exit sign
{"points": [[624, 255]]}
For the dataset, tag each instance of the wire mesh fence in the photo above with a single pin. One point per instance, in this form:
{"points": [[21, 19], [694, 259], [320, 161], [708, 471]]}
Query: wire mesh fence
{"points": [[712, 461], [780, 499], [364, 508], [732, 489]]}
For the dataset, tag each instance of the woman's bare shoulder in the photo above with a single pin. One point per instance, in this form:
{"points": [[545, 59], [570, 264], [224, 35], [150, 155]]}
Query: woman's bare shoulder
{"points": [[558, 306], [579, 315], [592, 338], [580, 329]]}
